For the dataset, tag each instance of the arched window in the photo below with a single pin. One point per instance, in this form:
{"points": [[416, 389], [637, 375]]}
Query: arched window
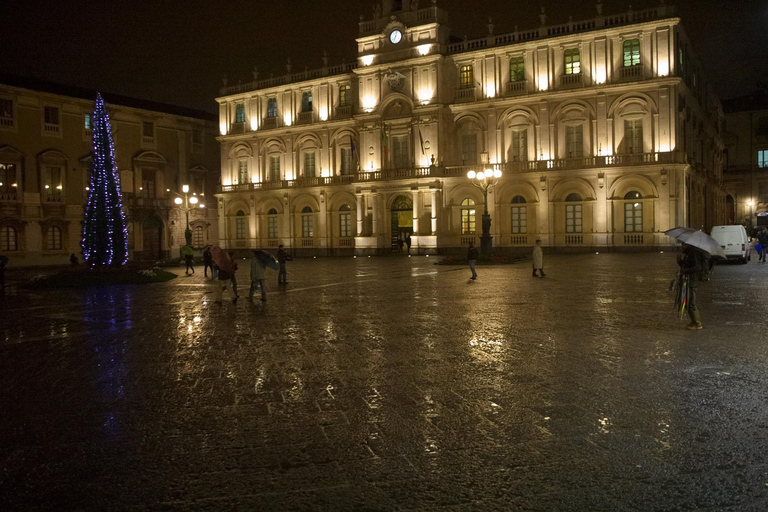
{"points": [[307, 228], [8, 239], [633, 212], [197, 236], [573, 219], [519, 216], [240, 226], [53, 238], [272, 223], [468, 217], [345, 221]]}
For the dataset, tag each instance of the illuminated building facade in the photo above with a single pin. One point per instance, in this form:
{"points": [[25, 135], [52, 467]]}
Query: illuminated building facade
{"points": [[605, 131]]}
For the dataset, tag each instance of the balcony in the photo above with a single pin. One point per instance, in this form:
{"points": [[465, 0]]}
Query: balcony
{"points": [[574, 239], [50, 128], [631, 73], [346, 242], [269, 123], [307, 242], [519, 240], [304, 117], [465, 95], [53, 198], [6, 122], [343, 112], [633, 240], [237, 128], [514, 88], [572, 80]]}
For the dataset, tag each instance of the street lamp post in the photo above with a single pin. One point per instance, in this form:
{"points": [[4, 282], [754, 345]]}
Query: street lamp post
{"points": [[186, 201], [484, 180]]}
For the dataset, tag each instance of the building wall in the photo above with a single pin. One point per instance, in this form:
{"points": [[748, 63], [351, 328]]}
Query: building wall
{"points": [[552, 133], [34, 146]]}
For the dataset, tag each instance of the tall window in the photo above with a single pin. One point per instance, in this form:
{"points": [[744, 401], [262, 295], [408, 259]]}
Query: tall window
{"points": [[343, 95], [272, 107], [631, 53], [633, 136], [346, 161], [197, 236], [516, 69], [400, 151], [272, 223], [7, 178], [306, 102], [87, 122], [572, 61], [274, 168], [466, 77], [8, 239], [633, 213], [573, 220], [762, 158], [469, 148], [148, 180], [345, 221], [197, 138], [51, 115], [468, 217], [53, 184], [148, 129], [242, 172], [574, 141], [519, 216], [519, 147], [240, 113], [240, 226], [307, 230], [6, 112], [53, 238], [309, 164]]}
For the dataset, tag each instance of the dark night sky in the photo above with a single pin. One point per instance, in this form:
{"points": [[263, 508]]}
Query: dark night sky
{"points": [[177, 52]]}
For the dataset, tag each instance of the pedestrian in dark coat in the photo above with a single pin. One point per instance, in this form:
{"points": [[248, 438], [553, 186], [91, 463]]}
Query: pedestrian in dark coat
{"points": [[282, 257], [208, 261], [692, 261], [762, 238], [472, 259]]}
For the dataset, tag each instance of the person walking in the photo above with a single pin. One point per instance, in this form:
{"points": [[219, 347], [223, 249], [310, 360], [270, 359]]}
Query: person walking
{"points": [[208, 262], [225, 281], [472, 259], [762, 238], [282, 257], [538, 259], [73, 261], [692, 261], [188, 252], [233, 274], [257, 277]]}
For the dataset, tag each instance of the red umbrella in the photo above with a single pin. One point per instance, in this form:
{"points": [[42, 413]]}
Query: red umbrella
{"points": [[221, 259]]}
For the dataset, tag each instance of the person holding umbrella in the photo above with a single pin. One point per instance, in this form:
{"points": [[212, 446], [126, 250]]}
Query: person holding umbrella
{"points": [[695, 265], [259, 263]]}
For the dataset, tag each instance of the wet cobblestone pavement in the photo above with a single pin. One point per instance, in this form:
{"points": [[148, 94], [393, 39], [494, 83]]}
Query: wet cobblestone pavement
{"points": [[390, 384]]}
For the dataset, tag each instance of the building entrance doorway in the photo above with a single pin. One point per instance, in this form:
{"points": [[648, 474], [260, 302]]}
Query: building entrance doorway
{"points": [[152, 229], [402, 222]]}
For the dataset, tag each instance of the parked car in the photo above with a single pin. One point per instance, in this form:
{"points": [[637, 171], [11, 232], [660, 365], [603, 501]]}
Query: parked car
{"points": [[734, 241]]}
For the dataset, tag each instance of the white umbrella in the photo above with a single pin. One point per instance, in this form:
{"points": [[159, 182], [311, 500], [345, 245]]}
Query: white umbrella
{"points": [[697, 239]]}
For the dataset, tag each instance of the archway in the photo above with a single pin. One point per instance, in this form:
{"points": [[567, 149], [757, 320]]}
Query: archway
{"points": [[152, 230], [402, 222]]}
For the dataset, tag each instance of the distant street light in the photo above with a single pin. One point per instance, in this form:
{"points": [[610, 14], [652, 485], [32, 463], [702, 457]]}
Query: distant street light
{"points": [[186, 200]]}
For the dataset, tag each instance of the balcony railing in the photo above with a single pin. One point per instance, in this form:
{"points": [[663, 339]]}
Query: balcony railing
{"points": [[574, 239], [571, 80], [633, 239], [631, 72], [9, 197], [343, 112], [438, 171], [268, 123], [53, 198], [346, 242], [6, 122], [463, 95], [516, 87], [307, 242], [50, 128], [237, 128], [519, 240], [304, 118]]}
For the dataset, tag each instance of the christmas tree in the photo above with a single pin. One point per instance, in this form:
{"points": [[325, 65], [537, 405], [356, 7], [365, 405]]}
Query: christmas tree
{"points": [[105, 237]]}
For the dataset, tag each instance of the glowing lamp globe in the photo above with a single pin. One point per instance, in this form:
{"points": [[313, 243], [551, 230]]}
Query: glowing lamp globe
{"points": [[185, 188], [178, 200], [193, 200], [497, 174], [489, 173], [471, 175]]}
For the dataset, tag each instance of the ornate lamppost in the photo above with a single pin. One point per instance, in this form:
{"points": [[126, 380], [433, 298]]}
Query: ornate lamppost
{"points": [[485, 180], [186, 200]]}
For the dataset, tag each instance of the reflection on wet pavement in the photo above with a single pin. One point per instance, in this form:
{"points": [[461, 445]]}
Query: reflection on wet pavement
{"points": [[390, 384]]}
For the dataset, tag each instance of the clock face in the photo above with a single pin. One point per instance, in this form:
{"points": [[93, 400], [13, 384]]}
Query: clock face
{"points": [[395, 36]]}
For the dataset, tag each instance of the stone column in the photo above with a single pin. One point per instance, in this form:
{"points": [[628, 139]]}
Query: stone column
{"points": [[434, 210], [415, 211], [359, 214], [374, 214]]}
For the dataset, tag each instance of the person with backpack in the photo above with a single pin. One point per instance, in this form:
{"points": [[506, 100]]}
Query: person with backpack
{"points": [[695, 266]]}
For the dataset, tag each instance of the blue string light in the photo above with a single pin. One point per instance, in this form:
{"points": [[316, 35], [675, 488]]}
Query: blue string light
{"points": [[105, 235]]}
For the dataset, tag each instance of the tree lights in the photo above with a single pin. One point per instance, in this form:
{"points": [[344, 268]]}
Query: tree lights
{"points": [[105, 236]]}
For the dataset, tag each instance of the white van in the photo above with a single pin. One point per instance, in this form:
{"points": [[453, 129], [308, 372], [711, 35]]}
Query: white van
{"points": [[734, 241]]}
